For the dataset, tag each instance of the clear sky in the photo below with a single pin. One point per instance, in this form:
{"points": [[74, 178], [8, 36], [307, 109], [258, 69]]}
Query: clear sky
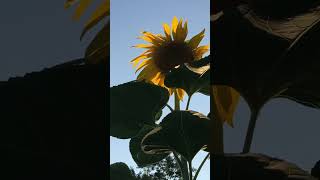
{"points": [[128, 19], [37, 34]]}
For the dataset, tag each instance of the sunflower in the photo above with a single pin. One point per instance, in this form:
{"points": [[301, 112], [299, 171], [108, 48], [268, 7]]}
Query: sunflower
{"points": [[168, 51]]}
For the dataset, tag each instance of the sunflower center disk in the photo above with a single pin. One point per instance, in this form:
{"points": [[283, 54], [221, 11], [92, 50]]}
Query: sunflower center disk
{"points": [[170, 55]]}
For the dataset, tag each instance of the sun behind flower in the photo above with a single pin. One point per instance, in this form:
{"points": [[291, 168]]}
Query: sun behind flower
{"points": [[167, 52]]}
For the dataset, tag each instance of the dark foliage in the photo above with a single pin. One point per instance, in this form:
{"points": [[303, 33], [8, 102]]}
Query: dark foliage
{"points": [[168, 168], [256, 166], [53, 124]]}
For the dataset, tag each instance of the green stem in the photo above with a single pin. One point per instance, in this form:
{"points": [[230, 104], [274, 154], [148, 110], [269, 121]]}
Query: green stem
{"points": [[250, 131], [202, 163], [183, 168], [176, 101], [190, 169], [188, 102]]}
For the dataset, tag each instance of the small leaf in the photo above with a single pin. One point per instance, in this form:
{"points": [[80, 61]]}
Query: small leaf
{"points": [[185, 132], [191, 77], [99, 14], [119, 171], [99, 49], [142, 159], [134, 104]]}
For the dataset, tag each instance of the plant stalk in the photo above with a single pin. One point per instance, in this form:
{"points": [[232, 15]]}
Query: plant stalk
{"points": [[188, 102], [202, 163], [176, 101], [184, 171], [184, 162], [190, 169], [250, 131]]}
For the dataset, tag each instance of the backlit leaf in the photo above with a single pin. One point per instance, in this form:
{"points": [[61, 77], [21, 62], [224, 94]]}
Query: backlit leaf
{"points": [[133, 105], [190, 77], [142, 159], [185, 132]]}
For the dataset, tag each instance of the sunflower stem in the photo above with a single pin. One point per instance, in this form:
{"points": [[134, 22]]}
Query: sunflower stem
{"points": [[188, 102], [250, 131], [202, 163], [190, 169], [176, 101], [183, 166]]}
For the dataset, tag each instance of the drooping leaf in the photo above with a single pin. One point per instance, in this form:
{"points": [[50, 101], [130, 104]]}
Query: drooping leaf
{"points": [[99, 48], [142, 159], [185, 132], [225, 103], [191, 77], [134, 104], [99, 14], [119, 171]]}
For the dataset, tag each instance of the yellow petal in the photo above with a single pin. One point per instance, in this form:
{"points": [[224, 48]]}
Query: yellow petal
{"points": [[148, 73], [200, 51], [156, 38], [83, 5], [180, 93], [185, 29], [161, 81], [136, 60], [195, 41], [148, 46], [99, 14], [174, 26], [225, 102], [156, 79], [143, 64], [167, 32], [179, 32]]}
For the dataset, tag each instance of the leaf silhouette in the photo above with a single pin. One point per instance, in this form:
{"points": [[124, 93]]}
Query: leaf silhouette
{"points": [[133, 105]]}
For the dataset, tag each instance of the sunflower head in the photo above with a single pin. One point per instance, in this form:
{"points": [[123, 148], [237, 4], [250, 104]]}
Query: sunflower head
{"points": [[168, 51]]}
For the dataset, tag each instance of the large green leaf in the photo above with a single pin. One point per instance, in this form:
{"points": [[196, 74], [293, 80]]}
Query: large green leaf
{"points": [[142, 159], [185, 132], [134, 104], [191, 77], [120, 171]]}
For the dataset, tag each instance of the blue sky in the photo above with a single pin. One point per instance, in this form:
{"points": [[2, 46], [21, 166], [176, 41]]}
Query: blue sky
{"points": [[128, 19]]}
